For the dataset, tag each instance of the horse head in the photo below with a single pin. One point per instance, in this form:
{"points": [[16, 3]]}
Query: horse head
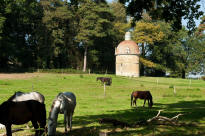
{"points": [[151, 103], [53, 115], [52, 124]]}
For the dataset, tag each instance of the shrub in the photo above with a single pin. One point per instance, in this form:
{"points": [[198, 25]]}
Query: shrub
{"points": [[67, 71], [203, 78]]}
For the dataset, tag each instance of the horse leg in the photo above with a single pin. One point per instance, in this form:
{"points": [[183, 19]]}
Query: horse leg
{"points": [[148, 103], [135, 102], [65, 121], [144, 102], [8, 130], [42, 124], [42, 121], [70, 121], [132, 100], [35, 125]]}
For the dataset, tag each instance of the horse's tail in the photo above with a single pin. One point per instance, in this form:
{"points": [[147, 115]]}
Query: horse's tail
{"points": [[131, 99]]}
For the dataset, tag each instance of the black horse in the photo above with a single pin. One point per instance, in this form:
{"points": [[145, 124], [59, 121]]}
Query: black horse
{"points": [[107, 80], [146, 95], [21, 112]]}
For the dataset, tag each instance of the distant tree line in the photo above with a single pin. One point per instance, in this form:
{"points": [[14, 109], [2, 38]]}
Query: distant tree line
{"points": [[83, 34]]}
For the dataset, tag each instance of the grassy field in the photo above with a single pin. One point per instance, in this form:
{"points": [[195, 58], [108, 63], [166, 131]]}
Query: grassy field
{"points": [[93, 105]]}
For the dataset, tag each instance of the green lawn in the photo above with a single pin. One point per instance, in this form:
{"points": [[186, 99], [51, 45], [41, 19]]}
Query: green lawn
{"points": [[93, 105]]}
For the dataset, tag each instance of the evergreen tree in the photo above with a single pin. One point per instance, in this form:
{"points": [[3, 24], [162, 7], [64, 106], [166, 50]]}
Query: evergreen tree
{"points": [[93, 20], [19, 19]]}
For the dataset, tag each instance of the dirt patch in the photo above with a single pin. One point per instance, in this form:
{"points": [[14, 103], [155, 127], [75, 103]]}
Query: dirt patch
{"points": [[18, 75]]}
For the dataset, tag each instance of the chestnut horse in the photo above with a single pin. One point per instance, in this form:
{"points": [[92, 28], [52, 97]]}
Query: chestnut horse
{"points": [[107, 80], [21, 112], [146, 95]]}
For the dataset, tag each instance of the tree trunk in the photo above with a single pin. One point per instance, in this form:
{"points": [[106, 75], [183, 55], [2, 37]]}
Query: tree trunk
{"points": [[142, 70], [142, 65], [183, 74], [85, 60]]}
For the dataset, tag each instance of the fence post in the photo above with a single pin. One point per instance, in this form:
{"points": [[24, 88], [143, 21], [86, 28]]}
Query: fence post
{"points": [[174, 90], [157, 82], [189, 83], [104, 90]]}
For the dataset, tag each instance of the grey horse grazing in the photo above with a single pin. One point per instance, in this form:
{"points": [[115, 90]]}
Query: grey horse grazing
{"points": [[65, 104]]}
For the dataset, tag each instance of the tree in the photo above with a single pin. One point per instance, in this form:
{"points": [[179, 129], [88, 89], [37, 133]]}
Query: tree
{"points": [[145, 34], [201, 29], [189, 52], [92, 19], [121, 24], [57, 47], [19, 19], [170, 11]]}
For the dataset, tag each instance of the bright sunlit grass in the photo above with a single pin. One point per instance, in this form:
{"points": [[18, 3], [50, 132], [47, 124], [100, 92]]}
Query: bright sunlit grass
{"points": [[93, 105]]}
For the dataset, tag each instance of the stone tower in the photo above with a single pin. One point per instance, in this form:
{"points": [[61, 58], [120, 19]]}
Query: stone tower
{"points": [[127, 57]]}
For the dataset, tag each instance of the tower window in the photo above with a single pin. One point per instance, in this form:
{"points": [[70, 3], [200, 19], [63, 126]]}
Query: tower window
{"points": [[128, 50]]}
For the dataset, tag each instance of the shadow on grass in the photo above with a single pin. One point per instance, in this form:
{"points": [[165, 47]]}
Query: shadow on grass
{"points": [[194, 113]]}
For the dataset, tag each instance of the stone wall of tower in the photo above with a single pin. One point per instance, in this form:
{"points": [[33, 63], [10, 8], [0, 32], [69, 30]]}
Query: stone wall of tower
{"points": [[127, 65]]}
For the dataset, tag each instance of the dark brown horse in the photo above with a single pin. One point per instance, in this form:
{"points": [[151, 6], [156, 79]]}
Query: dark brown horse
{"points": [[21, 112], [107, 80], [146, 95]]}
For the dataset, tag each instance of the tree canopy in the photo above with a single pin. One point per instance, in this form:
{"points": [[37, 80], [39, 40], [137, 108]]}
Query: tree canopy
{"points": [[46, 34], [170, 11]]}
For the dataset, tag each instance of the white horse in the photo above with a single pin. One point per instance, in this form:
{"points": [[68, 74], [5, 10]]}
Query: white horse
{"points": [[21, 96], [65, 104]]}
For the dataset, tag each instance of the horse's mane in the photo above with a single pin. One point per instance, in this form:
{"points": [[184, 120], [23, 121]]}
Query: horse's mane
{"points": [[59, 95], [52, 105]]}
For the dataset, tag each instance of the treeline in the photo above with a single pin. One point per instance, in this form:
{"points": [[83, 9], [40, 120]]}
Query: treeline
{"points": [[83, 34]]}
